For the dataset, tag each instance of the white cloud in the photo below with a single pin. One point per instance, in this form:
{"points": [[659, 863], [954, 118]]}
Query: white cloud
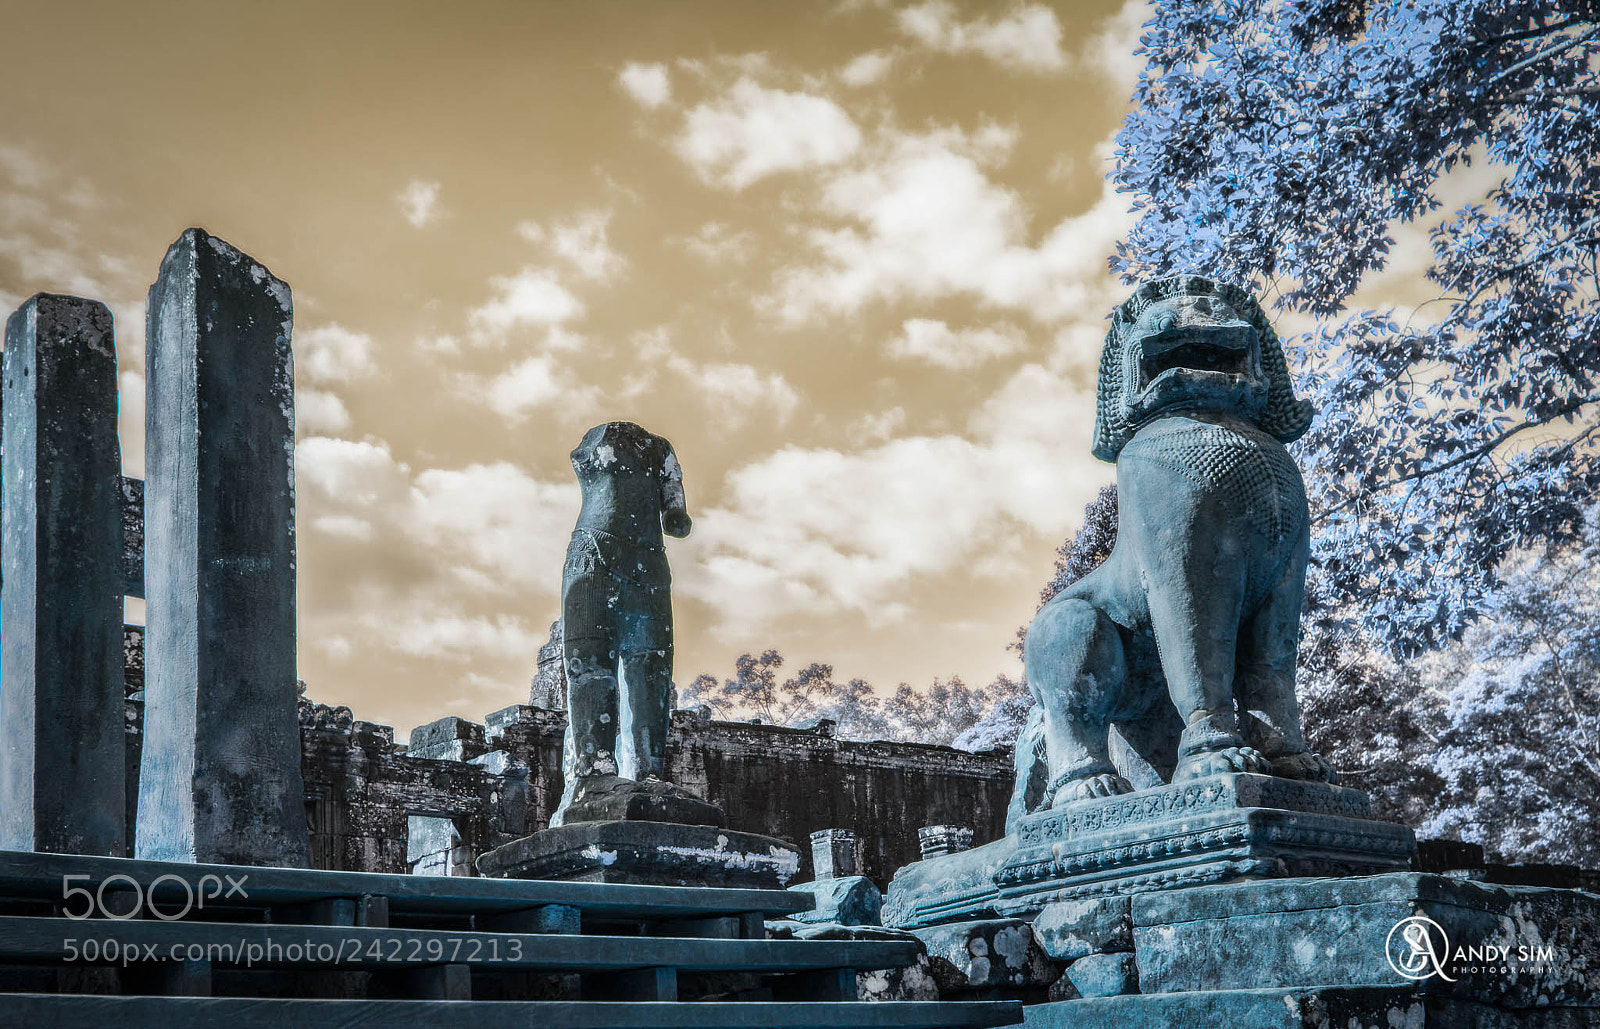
{"points": [[345, 527], [582, 240], [733, 392], [349, 473], [419, 202], [736, 391], [934, 341], [648, 84], [496, 517], [1029, 37], [823, 531], [318, 412], [333, 353], [924, 220], [716, 243], [494, 526], [879, 425], [866, 69], [531, 297], [457, 637], [533, 383], [753, 131]]}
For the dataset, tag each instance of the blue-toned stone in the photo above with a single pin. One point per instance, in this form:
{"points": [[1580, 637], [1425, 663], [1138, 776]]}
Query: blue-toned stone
{"points": [[62, 760], [132, 491], [1073, 929], [1196, 831], [849, 900], [1194, 405], [1104, 975], [220, 775], [1370, 1007], [1183, 834], [994, 952], [447, 739], [648, 852], [949, 888], [1336, 932]]}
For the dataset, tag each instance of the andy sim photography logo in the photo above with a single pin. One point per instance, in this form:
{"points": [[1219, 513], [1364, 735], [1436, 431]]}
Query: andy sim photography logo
{"points": [[1418, 948]]}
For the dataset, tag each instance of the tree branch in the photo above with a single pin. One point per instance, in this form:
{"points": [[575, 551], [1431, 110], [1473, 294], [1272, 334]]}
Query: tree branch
{"points": [[1570, 407], [1548, 52]]}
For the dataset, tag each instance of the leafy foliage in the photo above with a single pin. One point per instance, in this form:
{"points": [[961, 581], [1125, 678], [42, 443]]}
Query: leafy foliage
{"points": [[1277, 143], [1519, 753], [1085, 549], [938, 714]]}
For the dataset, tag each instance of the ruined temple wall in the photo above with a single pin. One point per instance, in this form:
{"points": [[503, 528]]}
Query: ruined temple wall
{"points": [[497, 780]]}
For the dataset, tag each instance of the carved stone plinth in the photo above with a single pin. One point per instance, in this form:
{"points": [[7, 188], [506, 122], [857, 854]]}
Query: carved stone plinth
{"points": [[658, 853], [1184, 834]]}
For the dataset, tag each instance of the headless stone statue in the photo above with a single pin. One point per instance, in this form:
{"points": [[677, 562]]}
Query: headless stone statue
{"points": [[616, 610], [1184, 640]]}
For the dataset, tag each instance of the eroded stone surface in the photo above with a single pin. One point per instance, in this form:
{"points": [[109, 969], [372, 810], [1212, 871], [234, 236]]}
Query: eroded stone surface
{"points": [[1073, 929], [661, 853], [61, 675], [1194, 405], [849, 900], [1104, 975], [220, 777], [1335, 932], [994, 952]]}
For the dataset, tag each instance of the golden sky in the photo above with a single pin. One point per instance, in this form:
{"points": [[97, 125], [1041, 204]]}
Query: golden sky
{"points": [[849, 258]]}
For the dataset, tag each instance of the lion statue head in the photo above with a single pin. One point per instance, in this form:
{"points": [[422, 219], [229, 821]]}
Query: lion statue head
{"points": [[1189, 343]]}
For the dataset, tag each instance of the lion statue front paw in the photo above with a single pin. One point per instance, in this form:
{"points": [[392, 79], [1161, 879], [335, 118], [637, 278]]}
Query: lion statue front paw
{"points": [[1227, 759]]}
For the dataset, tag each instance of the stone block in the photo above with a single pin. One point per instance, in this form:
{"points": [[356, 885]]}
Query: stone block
{"points": [[496, 722], [1104, 975], [913, 982], [955, 886], [833, 854], [1199, 830], [607, 798], [977, 955], [1512, 946], [851, 900], [447, 739], [62, 766], [939, 840], [659, 853], [1073, 929], [1369, 1007], [220, 778]]}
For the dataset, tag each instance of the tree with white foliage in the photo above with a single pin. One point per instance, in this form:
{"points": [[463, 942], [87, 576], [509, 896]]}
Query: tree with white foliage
{"points": [[1519, 754]]}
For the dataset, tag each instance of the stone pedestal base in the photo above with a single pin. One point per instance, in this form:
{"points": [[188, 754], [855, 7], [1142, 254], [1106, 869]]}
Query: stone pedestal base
{"points": [[1323, 952], [1189, 833], [655, 853], [1380, 1007], [1203, 830]]}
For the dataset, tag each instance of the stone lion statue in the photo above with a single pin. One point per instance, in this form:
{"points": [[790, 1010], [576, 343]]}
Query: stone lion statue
{"points": [[1176, 657]]}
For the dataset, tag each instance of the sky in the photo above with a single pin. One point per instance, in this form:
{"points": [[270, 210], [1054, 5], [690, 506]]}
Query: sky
{"points": [[849, 258]]}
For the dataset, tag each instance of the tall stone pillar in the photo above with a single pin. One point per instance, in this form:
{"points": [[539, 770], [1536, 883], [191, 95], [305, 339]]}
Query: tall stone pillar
{"points": [[61, 710], [220, 776]]}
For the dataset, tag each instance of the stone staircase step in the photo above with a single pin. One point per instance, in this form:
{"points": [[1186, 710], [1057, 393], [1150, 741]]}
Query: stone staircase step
{"points": [[259, 945], [295, 892], [54, 1011]]}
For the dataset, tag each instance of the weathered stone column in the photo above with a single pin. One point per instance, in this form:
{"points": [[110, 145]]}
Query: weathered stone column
{"points": [[833, 854], [220, 777], [61, 712]]}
